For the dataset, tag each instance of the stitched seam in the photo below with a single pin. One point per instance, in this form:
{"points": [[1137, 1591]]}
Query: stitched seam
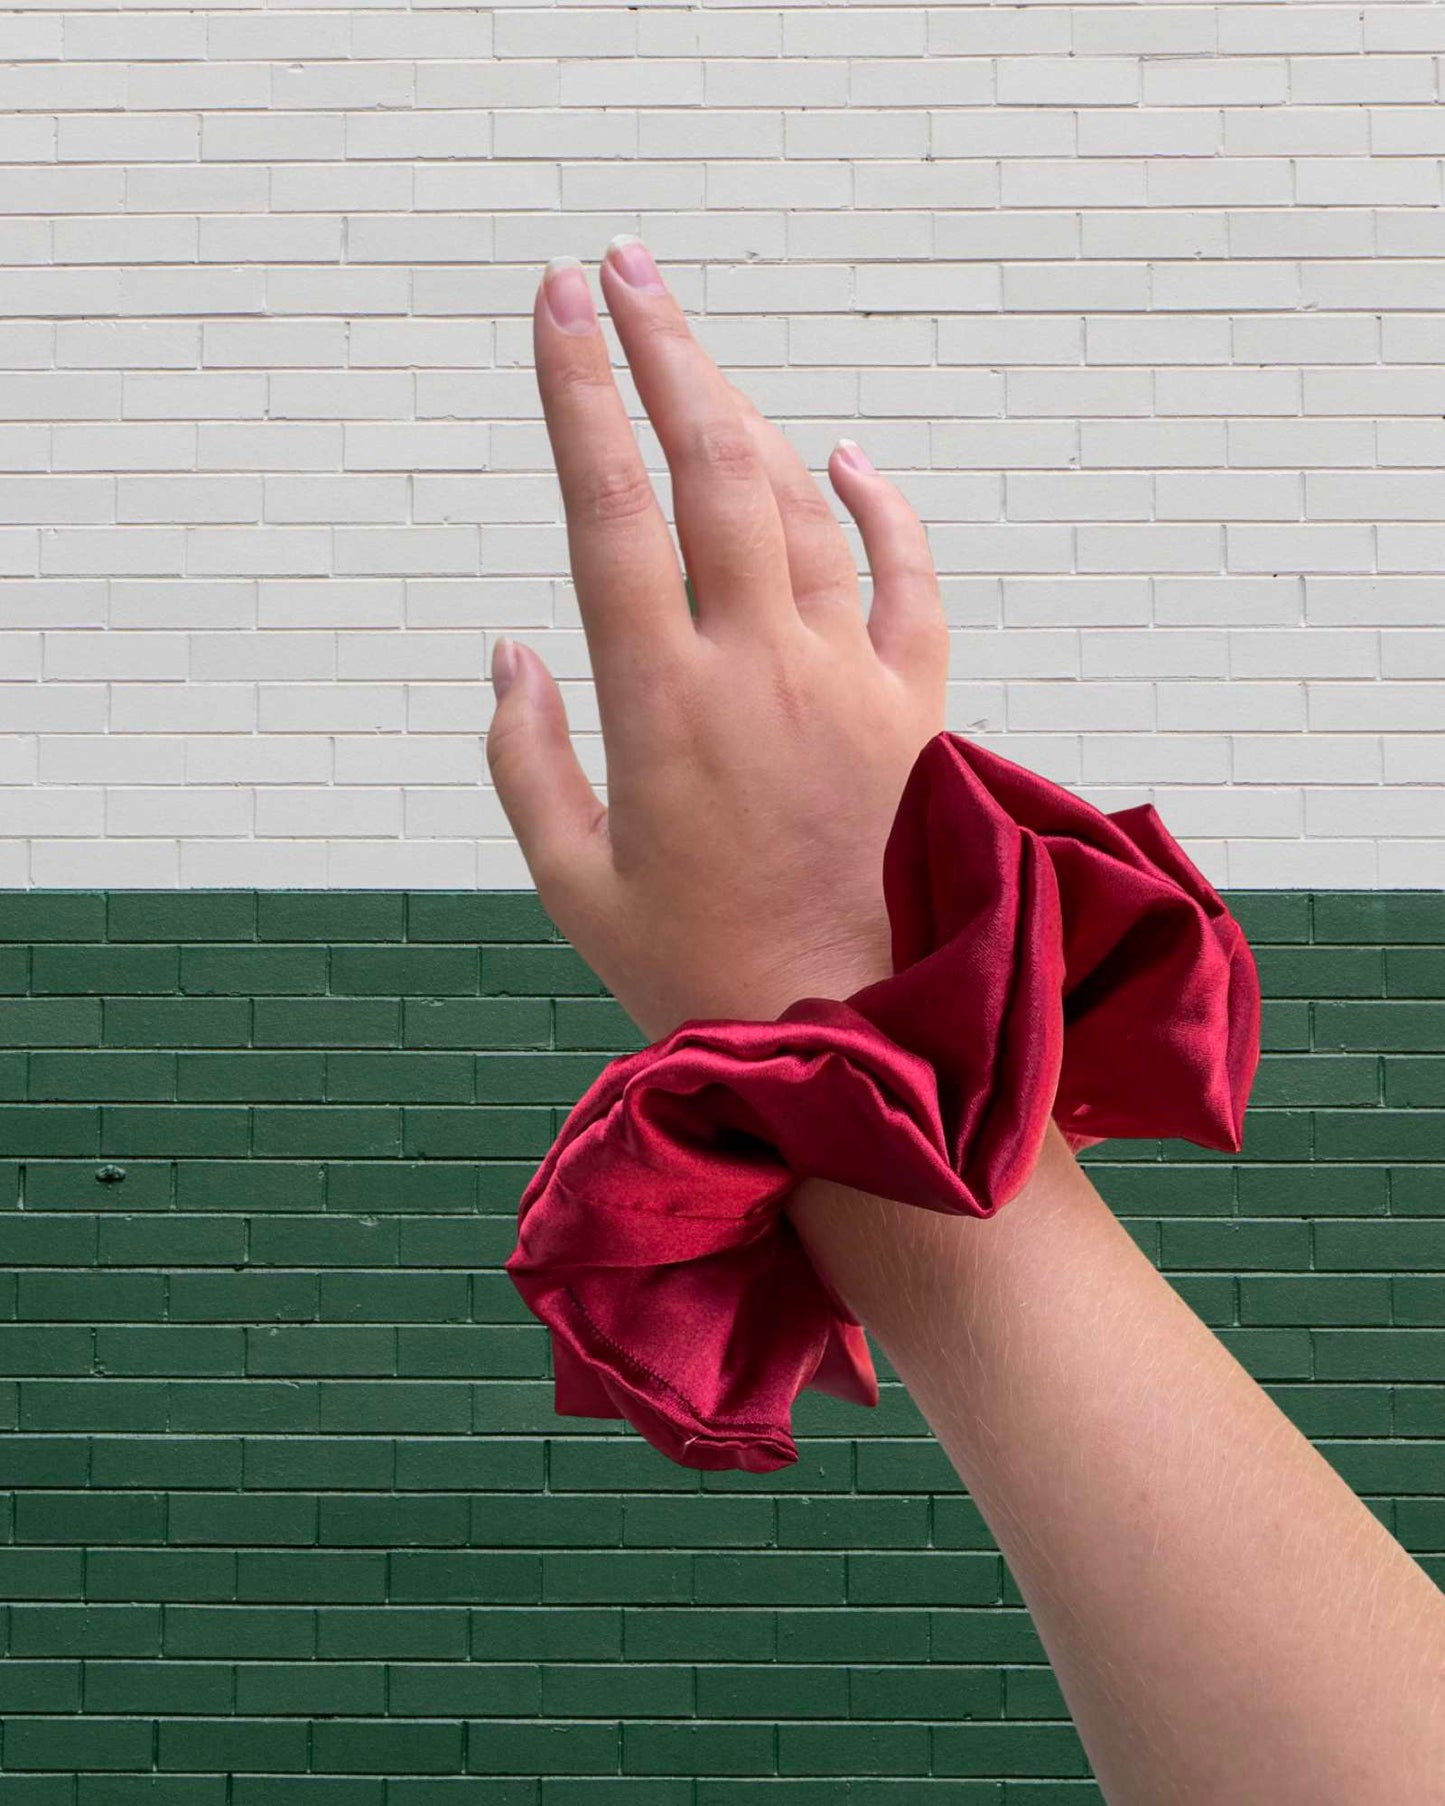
{"points": [[627, 1358]]}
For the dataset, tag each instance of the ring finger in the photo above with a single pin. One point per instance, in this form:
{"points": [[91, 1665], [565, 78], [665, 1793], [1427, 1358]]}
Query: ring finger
{"points": [[821, 568]]}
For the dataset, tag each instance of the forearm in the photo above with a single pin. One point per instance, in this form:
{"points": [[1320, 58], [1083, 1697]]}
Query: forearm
{"points": [[1226, 1619]]}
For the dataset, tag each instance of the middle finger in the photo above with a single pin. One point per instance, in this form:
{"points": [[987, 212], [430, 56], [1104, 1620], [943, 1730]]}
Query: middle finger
{"points": [[624, 568], [728, 524]]}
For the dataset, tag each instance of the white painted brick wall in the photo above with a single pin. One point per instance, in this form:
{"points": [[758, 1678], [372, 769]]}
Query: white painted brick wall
{"points": [[1143, 305]]}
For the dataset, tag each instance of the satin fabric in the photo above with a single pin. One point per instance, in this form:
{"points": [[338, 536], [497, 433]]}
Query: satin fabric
{"points": [[1049, 959]]}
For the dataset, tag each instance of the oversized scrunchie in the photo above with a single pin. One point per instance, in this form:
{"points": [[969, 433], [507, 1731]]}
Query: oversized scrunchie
{"points": [[1048, 960]]}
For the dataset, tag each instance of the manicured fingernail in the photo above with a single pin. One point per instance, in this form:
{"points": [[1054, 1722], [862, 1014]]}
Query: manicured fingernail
{"points": [[569, 300], [504, 666], [853, 455], [633, 262]]}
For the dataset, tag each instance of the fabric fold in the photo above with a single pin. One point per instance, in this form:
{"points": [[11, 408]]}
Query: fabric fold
{"points": [[1049, 960]]}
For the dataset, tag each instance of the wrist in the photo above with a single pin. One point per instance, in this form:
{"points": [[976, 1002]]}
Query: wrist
{"points": [[880, 1256]]}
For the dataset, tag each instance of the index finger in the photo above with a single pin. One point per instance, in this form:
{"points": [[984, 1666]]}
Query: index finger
{"points": [[624, 568]]}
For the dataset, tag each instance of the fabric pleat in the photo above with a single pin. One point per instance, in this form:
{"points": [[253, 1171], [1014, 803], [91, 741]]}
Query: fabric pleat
{"points": [[1049, 960]]}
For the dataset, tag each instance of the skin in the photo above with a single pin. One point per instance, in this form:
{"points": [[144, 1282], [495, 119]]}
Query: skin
{"points": [[1227, 1620]]}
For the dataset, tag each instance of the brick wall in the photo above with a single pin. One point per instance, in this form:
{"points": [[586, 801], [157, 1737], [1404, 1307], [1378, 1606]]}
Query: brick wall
{"points": [[1141, 304], [285, 1498]]}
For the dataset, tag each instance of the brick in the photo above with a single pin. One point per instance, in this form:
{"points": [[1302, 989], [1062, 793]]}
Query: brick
{"points": [[481, 1132], [308, 1575], [41, 1022], [546, 1747], [185, 1129], [327, 1022], [41, 1687], [772, 1691], [252, 971], [175, 1022], [39, 915], [1415, 971], [250, 1077], [92, 1742], [883, 1523], [49, 1129], [541, 1078], [95, 1077], [694, 1749], [1012, 1749], [1321, 971], [490, 1689], [1306, 1079], [1378, 916], [14, 970], [1313, 1191], [493, 1023], [537, 972], [935, 1692], [330, 915], [264, 1746], [250, 1186], [329, 1689], [403, 971], [1384, 1027], [1314, 1301], [477, 917], [399, 1078], [1271, 916], [1380, 1134], [180, 916], [1271, 1354], [1322, 1410], [329, 1131], [693, 1521], [1163, 1191], [172, 1241], [853, 1749], [584, 1023], [611, 1577], [355, 1747], [617, 1690], [109, 971], [1368, 1354]]}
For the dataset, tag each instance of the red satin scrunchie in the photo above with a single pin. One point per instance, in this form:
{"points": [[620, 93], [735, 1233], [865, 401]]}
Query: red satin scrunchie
{"points": [[1048, 960]]}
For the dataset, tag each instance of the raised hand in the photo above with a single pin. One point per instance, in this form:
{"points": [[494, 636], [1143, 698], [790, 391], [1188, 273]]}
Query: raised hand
{"points": [[755, 752]]}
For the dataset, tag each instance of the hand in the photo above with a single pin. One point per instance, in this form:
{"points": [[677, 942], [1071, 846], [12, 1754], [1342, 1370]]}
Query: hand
{"points": [[756, 755]]}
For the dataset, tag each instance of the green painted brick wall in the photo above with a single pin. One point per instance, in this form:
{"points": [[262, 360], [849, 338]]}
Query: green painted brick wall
{"points": [[287, 1517]]}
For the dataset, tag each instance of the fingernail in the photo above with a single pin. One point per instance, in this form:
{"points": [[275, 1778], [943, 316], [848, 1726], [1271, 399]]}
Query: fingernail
{"points": [[504, 666], [851, 453], [569, 300], [633, 262]]}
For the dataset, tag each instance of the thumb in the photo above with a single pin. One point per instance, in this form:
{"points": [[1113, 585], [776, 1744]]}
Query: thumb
{"points": [[552, 808]]}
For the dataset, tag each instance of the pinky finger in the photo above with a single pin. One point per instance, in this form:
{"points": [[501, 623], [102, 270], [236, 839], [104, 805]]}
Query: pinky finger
{"points": [[906, 622]]}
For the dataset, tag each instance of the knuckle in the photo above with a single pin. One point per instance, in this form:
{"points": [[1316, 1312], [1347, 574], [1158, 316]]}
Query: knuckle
{"points": [[806, 503], [667, 323], [911, 557], [928, 637], [933, 630], [613, 492], [913, 570], [578, 378], [725, 448], [506, 746], [551, 871]]}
